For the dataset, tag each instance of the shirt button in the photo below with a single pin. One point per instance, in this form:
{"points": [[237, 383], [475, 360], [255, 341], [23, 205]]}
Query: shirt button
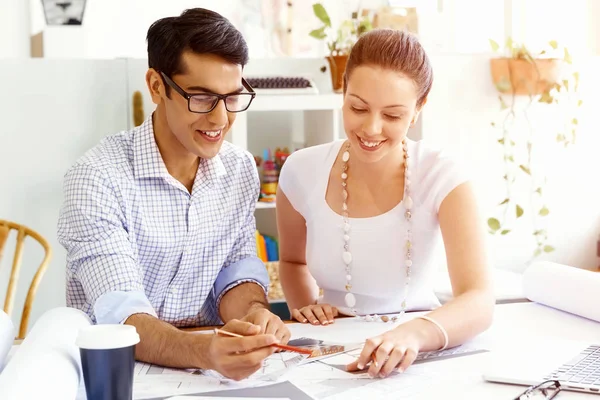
{"points": [[174, 290]]}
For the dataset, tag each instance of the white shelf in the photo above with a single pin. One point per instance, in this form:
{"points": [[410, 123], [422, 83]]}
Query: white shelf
{"points": [[299, 102], [264, 205]]}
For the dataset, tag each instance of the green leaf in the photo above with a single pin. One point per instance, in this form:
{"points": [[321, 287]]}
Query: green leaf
{"points": [[512, 143], [576, 77], [544, 211], [511, 158], [519, 211], [494, 224], [318, 33], [509, 44], [504, 202], [321, 13], [503, 85], [504, 232], [553, 44], [539, 191], [525, 169], [494, 45], [548, 249], [566, 84], [538, 252], [538, 232], [542, 52], [546, 97], [501, 141], [579, 103], [364, 26], [567, 57], [560, 138], [574, 121]]}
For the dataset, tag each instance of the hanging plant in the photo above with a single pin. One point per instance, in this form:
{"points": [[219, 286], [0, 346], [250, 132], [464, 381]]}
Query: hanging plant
{"points": [[537, 79]]}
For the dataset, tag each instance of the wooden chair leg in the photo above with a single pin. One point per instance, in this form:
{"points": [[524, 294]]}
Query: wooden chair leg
{"points": [[4, 231]]}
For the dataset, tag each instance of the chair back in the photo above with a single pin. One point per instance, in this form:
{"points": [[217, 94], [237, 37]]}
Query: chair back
{"points": [[22, 232]]}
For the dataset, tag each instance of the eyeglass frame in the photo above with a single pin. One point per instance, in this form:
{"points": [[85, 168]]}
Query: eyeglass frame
{"points": [[219, 97], [530, 389]]}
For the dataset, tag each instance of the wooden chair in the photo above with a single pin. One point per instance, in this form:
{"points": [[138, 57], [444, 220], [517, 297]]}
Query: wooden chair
{"points": [[22, 233]]}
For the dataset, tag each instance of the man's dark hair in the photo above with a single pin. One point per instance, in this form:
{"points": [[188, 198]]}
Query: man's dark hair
{"points": [[198, 30]]}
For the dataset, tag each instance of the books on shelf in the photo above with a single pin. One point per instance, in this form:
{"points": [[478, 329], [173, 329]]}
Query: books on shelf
{"points": [[267, 248]]}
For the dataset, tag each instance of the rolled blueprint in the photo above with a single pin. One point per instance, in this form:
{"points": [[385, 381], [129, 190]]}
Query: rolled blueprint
{"points": [[565, 288], [47, 364], [7, 336]]}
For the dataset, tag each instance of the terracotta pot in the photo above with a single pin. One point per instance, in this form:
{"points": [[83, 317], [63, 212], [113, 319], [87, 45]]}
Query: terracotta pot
{"points": [[337, 66], [524, 77]]}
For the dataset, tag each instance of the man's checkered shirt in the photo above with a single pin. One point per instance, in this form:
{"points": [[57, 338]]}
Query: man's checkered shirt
{"points": [[138, 242]]}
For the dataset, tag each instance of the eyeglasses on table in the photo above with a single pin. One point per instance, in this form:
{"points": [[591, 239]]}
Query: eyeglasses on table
{"points": [[546, 390]]}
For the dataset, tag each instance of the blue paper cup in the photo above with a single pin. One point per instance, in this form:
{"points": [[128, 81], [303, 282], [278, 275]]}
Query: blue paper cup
{"points": [[108, 360]]}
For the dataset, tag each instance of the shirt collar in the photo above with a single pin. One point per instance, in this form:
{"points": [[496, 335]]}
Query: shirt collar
{"points": [[148, 162]]}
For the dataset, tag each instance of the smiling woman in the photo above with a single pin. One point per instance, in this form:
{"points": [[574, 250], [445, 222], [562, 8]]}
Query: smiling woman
{"points": [[362, 218]]}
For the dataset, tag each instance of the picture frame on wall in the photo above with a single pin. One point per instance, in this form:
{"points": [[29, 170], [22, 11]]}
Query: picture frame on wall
{"points": [[64, 12]]}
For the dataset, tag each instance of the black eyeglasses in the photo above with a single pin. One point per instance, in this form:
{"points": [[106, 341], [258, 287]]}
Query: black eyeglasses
{"points": [[203, 103], [544, 391]]}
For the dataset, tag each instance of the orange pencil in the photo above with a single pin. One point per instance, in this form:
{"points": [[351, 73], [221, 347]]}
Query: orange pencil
{"points": [[279, 346], [374, 360]]}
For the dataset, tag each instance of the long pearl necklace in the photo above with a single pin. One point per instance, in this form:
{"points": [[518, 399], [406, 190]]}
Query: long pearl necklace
{"points": [[350, 299]]}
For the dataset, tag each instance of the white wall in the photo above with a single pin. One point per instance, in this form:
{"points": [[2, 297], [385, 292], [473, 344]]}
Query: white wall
{"points": [[14, 29], [117, 28], [56, 110], [463, 103]]}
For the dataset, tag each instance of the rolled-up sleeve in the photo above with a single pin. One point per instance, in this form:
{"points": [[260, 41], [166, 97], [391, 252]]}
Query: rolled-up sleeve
{"points": [[242, 264], [103, 276]]}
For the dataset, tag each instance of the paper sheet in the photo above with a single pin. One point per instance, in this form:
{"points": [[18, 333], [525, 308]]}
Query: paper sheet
{"points": [[7, 336], [347, 330], [47, 363], [152, 380], [278, 391], [566, 288], [224, 398]]}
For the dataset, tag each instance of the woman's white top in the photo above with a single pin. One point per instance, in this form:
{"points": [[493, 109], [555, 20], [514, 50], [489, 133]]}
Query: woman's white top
{"points": [[377, 243]]}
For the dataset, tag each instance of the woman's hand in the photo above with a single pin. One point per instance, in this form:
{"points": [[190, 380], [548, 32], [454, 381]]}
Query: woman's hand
{"points": [[316, 314], [394, 350]]}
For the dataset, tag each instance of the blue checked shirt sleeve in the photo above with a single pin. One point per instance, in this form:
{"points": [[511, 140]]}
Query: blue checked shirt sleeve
{"points": [[103, 278], [242, 264]]}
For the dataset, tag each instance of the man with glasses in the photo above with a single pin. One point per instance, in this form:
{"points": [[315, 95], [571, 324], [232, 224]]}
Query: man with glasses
{"points": [[158, 222]]}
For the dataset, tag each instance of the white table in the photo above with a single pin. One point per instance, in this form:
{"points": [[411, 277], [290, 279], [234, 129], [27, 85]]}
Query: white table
{"points": [[514, 324]]}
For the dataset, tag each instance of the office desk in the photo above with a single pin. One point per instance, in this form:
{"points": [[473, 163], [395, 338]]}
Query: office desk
{"points": [[514, 325], [459, 378]]}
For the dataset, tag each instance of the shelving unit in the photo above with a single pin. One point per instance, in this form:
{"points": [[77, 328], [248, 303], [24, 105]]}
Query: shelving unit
{"points": [[264, 206], [293, 121]]}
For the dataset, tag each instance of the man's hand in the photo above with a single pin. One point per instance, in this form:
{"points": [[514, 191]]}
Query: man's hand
{"points": [[269, 324], [238, 358]]}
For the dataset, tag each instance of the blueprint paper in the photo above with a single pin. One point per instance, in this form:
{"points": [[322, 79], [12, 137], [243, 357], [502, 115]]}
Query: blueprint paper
{"points": [[565, 288], [7, 337], [47, 364]]}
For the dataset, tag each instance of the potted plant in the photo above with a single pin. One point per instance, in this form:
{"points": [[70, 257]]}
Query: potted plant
{"points": [[524, 81], [339, 41]]}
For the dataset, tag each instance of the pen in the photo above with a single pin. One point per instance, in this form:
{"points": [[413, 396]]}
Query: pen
{"points": [[279, 346], [374, 360]]}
